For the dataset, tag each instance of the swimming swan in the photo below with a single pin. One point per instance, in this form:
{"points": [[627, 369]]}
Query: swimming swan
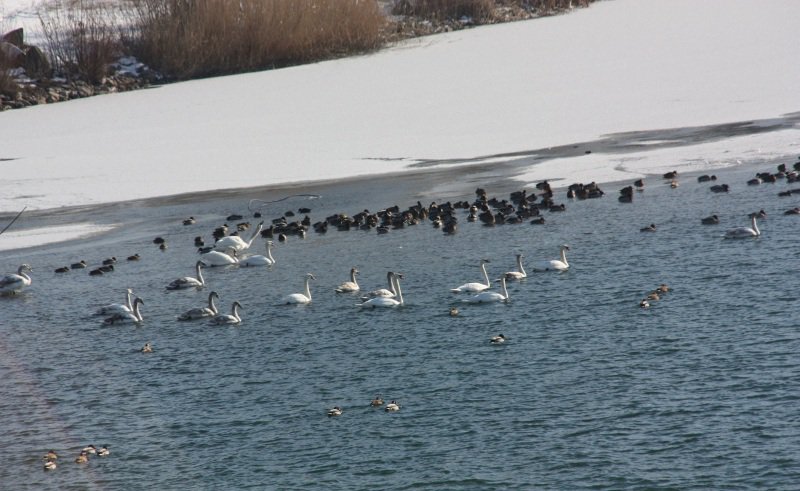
{"points": [[487, 297], [349, 286], [475, 287], [744, 232], [383, 292], [124, 317], [517, 275], [217, 258], [11, 284], [201, 312], [300, 298], [118, 308], [232, 318], [236, 242], [259, 260], [555, 264], [188, 281], [386, 301]]}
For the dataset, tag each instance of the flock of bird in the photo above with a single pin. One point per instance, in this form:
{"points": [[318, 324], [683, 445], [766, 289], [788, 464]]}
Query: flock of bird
{"points": [[51, 457]]}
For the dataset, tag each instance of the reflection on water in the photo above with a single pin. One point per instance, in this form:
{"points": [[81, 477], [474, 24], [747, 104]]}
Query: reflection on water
{"points": [[699, 391]]}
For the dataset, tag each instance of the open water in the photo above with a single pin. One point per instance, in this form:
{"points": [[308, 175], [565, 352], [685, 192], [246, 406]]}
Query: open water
{"points": [[700, 391]]}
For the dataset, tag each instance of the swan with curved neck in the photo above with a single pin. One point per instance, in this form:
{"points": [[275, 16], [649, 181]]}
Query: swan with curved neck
{"points": [[118, 308], [216, 258], [201, 312], [259, 260], [383, 292], [475, 287], [386, 301], [744, 232], [11, 284], [487, 297], [188, 281], [349, 286], [555, 264], [236, 242], [519, 274], [125, 317], [232, 318], [300, 298]]}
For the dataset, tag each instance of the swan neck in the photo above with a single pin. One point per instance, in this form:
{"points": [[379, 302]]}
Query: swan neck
{"points": [[255, 234], [353, 277], [136, 312], [503, 286], [755, 227], [269, 252], [399, 292], [519, 265], [564, 256], [308, 290], [129, 302], [200, 274], [485, 274], [211, 305]]}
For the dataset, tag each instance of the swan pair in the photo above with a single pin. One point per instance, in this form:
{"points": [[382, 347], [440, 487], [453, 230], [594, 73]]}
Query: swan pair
{"points": [[201, 312], [384, 292], [744, 232], [385, 302], [232, 318], [12, 284], [122, 317]]}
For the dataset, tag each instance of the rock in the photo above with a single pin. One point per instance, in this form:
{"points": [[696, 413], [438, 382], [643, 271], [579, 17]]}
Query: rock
{"points": [[15, 37]]}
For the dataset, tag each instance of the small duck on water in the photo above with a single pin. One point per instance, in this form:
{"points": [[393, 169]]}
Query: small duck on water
{"points": [[377, 402], [335, 411], [392, 407], [499, 339], [147, 348]]}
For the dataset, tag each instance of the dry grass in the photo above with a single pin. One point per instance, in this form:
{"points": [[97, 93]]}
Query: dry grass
{"points": [[439, 10], [189, 39]]}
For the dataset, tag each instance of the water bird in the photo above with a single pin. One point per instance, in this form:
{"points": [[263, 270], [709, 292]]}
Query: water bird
{"points": [[159, 240], [475, 287], [134, 315], [232, 318], [499, 339], [79, 265], [147, 348], [454, 311], [201, 312], [520, 273], [335, 411], [393, 406], [188, 281], [744, 232], [644, 303], [349, 286], [162, 246], [82, 458], [118, 308], [649, 228], [300, 298], [50, 455], [135, 257], [673, 184], [237, 242], [719, 188], [189, 221], [671, 175], [110, 260], [488, 297], [712, 220], [258, 259], [793, 211], [377, 401], [555, 264], [220, 258], [103, 451], [63, 269], [662, 288], [12, 284], [50, 465], [89, 449]]}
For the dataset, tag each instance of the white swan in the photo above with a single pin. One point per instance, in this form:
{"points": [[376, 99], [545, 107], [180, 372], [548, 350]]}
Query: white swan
{"points": [[236, 242], [11, 284], [118, 308], [349, 286], [486, 297], [300, 297], [125, 317], [554, 264], [744, 232], [201, 312], [386, 301], [475, 287], [232, 318], [259, 260], [217, 258], [517, 275], [188, 281], [383, 292]]}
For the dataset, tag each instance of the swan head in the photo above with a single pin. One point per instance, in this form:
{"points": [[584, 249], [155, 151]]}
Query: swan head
{"points": [[24, 267], [564, 247], [485, 261], [138, 300], [237, 304], [199, 264], [310, 276], [213, 294], [354, 271]]}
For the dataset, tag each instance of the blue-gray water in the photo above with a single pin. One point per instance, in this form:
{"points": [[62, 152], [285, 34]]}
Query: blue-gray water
{"points": [[590, 392]]}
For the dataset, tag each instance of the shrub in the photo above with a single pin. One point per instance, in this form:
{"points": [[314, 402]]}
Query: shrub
{"points": [[439, 10], [81, 39]]}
